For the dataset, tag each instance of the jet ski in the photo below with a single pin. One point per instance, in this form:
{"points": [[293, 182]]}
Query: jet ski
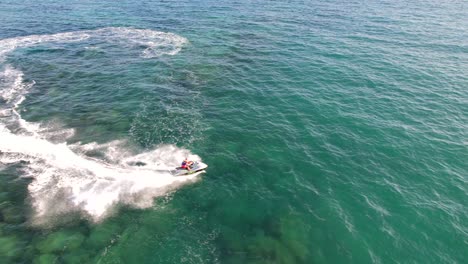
{"points": [[197, 167]]}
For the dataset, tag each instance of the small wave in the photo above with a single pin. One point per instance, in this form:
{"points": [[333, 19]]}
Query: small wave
{"points": [[374, 205]]}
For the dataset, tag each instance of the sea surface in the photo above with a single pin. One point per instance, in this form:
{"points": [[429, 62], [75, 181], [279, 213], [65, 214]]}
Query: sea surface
{"points": [[334, 131]]}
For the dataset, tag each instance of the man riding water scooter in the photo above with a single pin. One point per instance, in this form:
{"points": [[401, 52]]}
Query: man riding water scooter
{"points": [[186, 164]]}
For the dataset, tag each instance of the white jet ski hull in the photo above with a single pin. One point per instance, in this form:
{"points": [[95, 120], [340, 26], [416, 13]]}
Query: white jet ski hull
{"points": [[197, 167]]}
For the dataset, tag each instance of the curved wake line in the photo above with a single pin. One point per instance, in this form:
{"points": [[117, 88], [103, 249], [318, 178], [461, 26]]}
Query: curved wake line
{"points": [[65, 180], [157, 43]]}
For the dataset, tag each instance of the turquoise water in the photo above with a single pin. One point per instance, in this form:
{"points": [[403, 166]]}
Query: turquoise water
{"points": [[335, 131]]}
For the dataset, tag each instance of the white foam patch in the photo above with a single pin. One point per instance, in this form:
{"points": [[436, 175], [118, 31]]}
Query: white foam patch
{"points": [[65, 178], [65, 181], [157, 43]]}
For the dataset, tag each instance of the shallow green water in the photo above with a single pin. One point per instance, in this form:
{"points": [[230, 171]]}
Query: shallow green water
{"points": [[335, 132]]}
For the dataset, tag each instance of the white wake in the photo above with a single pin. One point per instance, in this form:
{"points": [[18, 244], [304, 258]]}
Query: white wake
{"points": [[65, 178]]}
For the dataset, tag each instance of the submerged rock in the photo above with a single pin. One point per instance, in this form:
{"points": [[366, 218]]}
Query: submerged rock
{"points": [[9, 247], [77, 256], [294, 236], [102, 235], [12, 215], [46, 259], [60, 241]]}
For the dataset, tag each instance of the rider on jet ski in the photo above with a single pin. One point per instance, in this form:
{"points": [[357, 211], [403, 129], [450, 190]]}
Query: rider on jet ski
{"points": [[186, 164]]}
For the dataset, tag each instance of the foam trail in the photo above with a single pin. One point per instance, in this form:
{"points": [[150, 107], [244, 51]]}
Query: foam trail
{"points": [[157, 43], [12, 88], [65, 179]]}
